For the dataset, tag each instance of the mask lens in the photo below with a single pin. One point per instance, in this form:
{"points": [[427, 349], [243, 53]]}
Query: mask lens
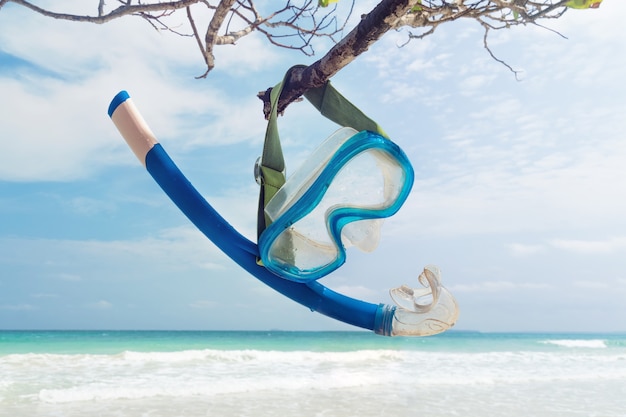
{"points": [[341, 204]]}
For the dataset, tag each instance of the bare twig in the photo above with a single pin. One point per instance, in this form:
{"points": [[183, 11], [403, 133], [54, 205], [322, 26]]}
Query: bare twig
{"points": [[124, 10], [486, 46], [289, 26], [195, 34]]}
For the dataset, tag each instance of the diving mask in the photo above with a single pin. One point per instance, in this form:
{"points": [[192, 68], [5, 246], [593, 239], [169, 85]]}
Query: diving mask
{"points": [[337, 199]]}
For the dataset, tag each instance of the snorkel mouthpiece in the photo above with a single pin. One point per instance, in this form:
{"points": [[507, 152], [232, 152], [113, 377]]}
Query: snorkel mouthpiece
{"points": [[423, 311]]}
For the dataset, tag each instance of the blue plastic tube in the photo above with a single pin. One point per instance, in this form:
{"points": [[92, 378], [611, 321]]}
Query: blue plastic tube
{"points": [[315, 296]]}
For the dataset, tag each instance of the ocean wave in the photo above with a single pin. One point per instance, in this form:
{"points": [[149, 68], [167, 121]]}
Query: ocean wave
{"points": [[207, 358], [133, 375], [204, 355], [578, 343], [261, 379]]}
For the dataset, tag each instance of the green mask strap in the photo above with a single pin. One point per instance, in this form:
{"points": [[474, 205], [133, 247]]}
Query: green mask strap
{"points": [[335, 107], [270, 170]]}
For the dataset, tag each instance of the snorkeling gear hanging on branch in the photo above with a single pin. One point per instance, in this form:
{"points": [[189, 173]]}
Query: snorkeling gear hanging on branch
{"points": [[335, 199], [422, 311]]}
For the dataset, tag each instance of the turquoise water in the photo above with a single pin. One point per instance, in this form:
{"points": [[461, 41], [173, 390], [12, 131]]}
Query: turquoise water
{"points": [[187, 373], [111, 342]]}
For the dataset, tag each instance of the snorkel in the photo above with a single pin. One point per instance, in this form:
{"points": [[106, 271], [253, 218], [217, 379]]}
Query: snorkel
{"points": [[412, 317]]}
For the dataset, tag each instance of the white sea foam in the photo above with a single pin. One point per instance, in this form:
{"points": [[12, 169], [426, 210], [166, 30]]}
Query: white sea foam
{"points": [[578, 343], [244, 356], [63, 379], [466, 376]]}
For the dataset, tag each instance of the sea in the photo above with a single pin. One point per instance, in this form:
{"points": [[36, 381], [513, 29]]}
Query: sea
{"points": [[306, 374]]}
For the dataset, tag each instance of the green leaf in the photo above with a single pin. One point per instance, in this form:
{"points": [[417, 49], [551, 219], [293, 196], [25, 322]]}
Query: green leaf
{"points": [[417, 7], [583, 4]]}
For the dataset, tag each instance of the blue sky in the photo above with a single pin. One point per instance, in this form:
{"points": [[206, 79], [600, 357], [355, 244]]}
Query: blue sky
{"points": [[519, 197]]}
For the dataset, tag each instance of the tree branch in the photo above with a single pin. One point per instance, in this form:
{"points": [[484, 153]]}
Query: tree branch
{"points": [[294, 25], [394, 14], [370, 29], [211, 33]]}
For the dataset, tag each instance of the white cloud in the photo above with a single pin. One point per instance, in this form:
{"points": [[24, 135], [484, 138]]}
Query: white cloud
{"points": [[251, 53], [475, 83], [18, 307], [522, 250], [100, 305], [44, 295], [211, 266], [90, 206], [204, 304], [54, 118], [497, 286], [591, 247], [170, 250], [68, 277], [177, 248], [541, 154], [359, 292], [591, 285]]}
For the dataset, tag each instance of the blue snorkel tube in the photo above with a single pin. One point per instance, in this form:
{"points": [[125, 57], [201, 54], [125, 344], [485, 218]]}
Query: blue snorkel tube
{"points": [[381, 318]]}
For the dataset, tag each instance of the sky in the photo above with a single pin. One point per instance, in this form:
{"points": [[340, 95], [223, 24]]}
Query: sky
{"points": [[519, 194]]}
